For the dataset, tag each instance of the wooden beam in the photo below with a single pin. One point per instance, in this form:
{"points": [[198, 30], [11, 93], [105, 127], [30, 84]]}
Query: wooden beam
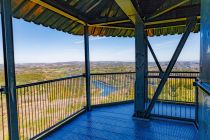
{"points": [[172, 5], [128, 8], [93, 6], [58, 11], [108, 22], [179, 12]]}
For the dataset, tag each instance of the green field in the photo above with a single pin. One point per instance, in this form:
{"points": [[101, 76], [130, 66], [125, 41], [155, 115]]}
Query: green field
{"points": [[41, 106]]}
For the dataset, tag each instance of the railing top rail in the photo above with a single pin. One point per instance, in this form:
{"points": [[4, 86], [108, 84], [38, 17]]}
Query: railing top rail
{"points": [[71, 77], [176, 76], [48, 81], [204, 86], [110, 73], [196, 72]]}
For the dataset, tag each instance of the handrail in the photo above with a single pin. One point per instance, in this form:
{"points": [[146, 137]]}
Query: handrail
{"points": [[72, 77], [109, 73], [177, 72], [190, 77], [204, 86], [130, 72], [48, 81]]}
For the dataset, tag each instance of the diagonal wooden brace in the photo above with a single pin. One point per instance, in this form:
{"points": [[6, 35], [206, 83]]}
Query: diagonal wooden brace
{"points": [[176, 54], [153, 54]]}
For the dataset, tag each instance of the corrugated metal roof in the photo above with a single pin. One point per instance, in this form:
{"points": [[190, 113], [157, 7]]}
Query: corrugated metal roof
{"points": [[70, 15]]}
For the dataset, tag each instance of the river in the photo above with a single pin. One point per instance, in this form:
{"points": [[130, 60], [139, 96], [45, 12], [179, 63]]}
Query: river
{"points": [[105, 88]]}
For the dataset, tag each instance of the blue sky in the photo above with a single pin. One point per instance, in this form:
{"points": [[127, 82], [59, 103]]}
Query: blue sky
{"points": [[38, 44]]}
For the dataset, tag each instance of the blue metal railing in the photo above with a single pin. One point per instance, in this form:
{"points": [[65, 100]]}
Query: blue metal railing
{"points": [[42, 106], [177, 99], [203, 118]]}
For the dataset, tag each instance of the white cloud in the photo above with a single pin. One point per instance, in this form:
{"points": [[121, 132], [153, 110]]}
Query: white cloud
{"points": [[91, 39]]}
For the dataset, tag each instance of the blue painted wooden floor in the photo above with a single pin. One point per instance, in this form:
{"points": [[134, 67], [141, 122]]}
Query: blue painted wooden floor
{"points": [[116, 123]]}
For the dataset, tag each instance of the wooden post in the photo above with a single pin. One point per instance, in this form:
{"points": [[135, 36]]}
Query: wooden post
{"points": [[141, 69], [9, 67], [87, 67]]}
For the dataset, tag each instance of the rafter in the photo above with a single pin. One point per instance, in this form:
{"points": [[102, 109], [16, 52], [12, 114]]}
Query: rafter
{"points": [[170, 6], [179, 12], [93, 6], [128, 8], [59, 11]]}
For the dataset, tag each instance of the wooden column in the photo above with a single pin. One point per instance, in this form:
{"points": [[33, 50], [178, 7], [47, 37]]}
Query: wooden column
{"points": [[141, 69], [9, 67], [87, 68]]}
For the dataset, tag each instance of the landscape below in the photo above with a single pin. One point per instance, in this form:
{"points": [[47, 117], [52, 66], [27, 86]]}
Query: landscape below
{"points": [[48, 94]]}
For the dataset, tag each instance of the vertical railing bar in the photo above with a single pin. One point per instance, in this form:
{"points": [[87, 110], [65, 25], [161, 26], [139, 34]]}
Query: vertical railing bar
{"points": [[99, 95], [25, 112], [52, 101], [116, 96], [2, 113], [49, 96], [107, 78], [171, 97], [75, 92], [29, 109], [41, 107], [80, 92], [62, 88], [196, 103], [72, 100], [59, 97], [70, 95], [47, 105], [32, 108], [35, 106], [64, 97], [120, 96], [156, 81], [93, 89], [74, 106], [123, 85], [95, 92], [126, 86], [57, 100]]}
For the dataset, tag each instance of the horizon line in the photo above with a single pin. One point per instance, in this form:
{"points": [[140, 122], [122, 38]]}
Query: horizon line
{"points": [[100, 61]]}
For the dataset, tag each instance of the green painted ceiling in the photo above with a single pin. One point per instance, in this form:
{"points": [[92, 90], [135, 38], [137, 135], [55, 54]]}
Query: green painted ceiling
{"points": [[161, 17]]}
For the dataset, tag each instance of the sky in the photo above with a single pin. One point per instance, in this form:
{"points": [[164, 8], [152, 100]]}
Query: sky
{"points": [[38, 44]]}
